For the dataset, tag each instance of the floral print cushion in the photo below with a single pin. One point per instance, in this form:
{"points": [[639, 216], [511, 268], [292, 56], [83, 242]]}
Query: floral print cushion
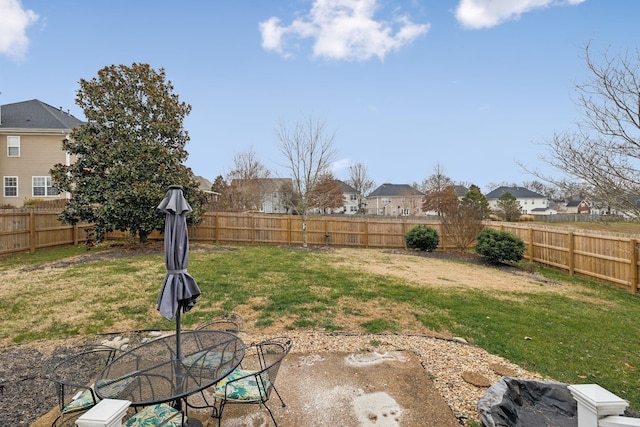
{"points": [[153, 415], [252, 388], [203, 360], [83, 401], [86, 399], [207, 359]]}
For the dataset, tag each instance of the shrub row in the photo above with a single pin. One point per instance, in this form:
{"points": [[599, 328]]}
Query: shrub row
{"points": [[496, 246]]}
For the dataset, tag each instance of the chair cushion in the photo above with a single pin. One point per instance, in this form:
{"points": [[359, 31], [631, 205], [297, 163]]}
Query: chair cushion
{"points": [[153, 415], [82, 402], [210, 360], [244, 390], [85, 399]]}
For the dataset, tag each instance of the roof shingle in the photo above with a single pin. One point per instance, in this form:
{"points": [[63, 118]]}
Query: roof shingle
{"points": [[35, 114]]}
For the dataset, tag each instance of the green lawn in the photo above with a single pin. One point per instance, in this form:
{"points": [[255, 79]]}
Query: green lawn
{"points": [[589, 334]]}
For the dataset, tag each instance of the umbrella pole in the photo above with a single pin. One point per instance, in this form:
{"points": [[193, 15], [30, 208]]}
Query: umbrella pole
{"points": [[178, 343]]}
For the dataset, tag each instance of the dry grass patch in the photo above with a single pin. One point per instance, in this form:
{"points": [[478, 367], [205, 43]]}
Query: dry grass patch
{"points": [[423, 271]]}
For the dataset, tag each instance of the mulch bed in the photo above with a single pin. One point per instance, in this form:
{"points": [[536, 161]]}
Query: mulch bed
{"points": [[25, 392]]}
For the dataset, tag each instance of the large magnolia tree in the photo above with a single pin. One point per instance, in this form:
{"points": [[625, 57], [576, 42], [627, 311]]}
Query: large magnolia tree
{"points": [[129, 152]]}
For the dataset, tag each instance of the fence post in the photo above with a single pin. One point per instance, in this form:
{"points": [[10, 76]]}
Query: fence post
{"points": [[530, 244], [366, 233], [253, 228], [215, 228], [32, 232], [634, 265], [327, 237], [289, 229], [571, 255]]}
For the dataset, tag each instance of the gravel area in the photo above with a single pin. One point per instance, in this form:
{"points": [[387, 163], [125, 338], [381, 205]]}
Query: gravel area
{"points": [[446, 360], [25, 393]]}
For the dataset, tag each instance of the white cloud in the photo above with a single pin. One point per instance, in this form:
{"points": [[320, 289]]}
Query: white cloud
{"points": [[476, 14], [342, 29], [14, 21], [340, 165]]}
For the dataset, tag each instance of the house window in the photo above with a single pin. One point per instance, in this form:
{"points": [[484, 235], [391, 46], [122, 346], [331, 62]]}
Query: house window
{"points": [[353, 209], [353, 197], [42, 187], [10, 186], [386, 201], [13, 146]]}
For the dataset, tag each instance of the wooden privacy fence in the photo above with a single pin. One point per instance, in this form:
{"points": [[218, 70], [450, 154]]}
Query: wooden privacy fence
{"points": [[608, 257], [30, 230]]}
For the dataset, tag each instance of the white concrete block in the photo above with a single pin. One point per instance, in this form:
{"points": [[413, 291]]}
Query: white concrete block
{"points": [[107, 413], [618, 421]]}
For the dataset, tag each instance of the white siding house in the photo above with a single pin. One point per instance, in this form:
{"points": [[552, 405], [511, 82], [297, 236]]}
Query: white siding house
{"points": [[530, 201]]}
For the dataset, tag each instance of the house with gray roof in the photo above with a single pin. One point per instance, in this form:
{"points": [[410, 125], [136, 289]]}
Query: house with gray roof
{"points": [[33, 132], [395, 200], [350, 199], [530, 202]]}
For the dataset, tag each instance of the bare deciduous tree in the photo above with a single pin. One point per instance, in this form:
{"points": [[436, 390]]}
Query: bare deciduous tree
{"points": [[245, 180], [308, 152], [603, 153], [360, 181], [434, 189], [462, 219]]}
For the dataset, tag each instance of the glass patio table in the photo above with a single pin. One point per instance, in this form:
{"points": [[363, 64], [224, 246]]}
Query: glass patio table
{"points": [[153, 373]]}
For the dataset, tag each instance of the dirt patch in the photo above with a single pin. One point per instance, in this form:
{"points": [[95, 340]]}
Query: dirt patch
{"points": [[446, 270], [117, 251]]}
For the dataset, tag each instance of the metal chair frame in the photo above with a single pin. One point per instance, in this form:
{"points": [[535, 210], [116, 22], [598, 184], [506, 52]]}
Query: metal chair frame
{"points": [[269, 355], [230, 322], [76, 386]]}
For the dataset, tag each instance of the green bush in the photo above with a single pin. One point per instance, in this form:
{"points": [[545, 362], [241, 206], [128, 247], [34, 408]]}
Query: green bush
{"points": [[499, 246], [422, 237]]}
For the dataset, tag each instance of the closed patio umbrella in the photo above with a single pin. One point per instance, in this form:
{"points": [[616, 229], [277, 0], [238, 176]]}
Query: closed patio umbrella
{"points": [[179, 291]]}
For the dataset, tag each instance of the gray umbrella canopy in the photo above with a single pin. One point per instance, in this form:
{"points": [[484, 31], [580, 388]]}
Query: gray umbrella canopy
{"points": [[179, 289]]}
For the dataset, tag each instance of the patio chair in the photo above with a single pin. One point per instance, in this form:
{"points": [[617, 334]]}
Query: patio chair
{"points": [[255, 379], [157, 415], [230, 322], [74, 377]]}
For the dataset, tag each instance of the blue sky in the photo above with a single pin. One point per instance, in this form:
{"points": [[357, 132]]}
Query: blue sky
{"points": [[473, 85]]}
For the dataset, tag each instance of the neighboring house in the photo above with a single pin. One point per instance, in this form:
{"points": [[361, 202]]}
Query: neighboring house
{"points": [[205, 185], [530, 201], [578, 206], [350, 196], [460, 190], [627, 209], [350, 199], [276, 195], [33, 132], [395, 200]]}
